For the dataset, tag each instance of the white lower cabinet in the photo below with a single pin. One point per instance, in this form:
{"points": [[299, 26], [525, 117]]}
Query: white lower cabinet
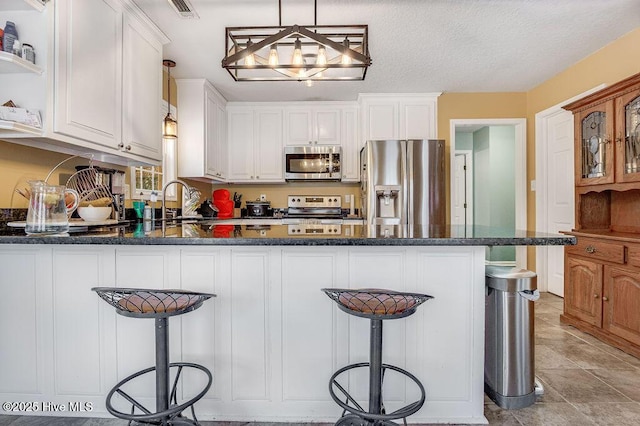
{"points": [[271, 338]]}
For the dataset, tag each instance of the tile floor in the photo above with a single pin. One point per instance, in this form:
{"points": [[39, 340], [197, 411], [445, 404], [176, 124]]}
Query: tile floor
{"points": [[586, 382]]}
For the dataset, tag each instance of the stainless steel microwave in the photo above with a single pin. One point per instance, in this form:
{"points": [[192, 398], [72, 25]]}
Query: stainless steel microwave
{"points": [[315, 162]]}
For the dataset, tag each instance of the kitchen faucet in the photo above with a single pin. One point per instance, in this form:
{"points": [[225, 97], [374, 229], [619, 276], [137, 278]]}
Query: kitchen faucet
{"points": [[194, 197]]}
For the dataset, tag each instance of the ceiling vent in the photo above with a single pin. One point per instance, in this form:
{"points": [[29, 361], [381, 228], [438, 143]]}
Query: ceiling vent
{"points": [[184, 9]]}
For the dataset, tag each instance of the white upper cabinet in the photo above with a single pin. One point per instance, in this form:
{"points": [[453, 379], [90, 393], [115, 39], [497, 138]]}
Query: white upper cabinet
{"points": [[101, 83], [88, 71], [351, 145], [142, 82], [399, 116], [255, 144], [310, 125], [202, 135]]}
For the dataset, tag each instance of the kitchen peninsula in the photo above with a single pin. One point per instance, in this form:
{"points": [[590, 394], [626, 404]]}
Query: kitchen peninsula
{"points": [[271, 338]]}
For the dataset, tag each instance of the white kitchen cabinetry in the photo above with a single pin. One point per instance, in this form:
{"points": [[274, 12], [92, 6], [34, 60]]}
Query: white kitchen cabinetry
{"points": [[271, 338], [202, 135], [255, 144], [351, 145], [82, 320], [25, 323], [309, 125], [99, 92], [399, 116], [142, 83], [88, 81]]}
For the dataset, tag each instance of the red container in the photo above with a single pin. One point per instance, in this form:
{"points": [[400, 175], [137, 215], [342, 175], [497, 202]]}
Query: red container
{"points": [[223, 203]]}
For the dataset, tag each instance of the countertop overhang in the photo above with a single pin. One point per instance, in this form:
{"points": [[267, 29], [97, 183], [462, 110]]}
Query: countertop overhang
{"points": [[262, 233]]}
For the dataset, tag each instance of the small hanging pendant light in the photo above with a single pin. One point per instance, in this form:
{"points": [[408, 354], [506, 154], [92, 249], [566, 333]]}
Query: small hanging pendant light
{"points": [[170, 125]]}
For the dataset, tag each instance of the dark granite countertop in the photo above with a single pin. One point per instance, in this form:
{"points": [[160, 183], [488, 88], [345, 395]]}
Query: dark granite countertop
{"points": [[262, 234]]}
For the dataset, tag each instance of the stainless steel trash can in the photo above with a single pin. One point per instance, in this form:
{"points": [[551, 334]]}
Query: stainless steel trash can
{"points": [[509, 378]]}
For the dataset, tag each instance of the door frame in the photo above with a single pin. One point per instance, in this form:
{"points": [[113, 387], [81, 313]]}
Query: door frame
{"points": [[542, 171], [520, 125]]}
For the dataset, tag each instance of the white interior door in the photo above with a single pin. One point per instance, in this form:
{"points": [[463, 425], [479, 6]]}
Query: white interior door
{"points": [[555, 189], [560, 216], [463, 181]]}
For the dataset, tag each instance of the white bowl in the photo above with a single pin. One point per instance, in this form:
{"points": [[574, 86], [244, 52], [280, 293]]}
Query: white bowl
{"points": [[94, 214]]}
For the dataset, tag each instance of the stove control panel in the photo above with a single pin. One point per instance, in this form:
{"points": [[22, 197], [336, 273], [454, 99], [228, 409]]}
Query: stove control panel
{"points": [[318, 201], [314, 229]]}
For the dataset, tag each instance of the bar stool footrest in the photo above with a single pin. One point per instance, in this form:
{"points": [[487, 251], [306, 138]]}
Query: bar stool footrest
{"points": [[372, 418], [171, 416]]}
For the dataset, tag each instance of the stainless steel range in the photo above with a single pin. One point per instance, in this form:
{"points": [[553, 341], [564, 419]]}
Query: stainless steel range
{"points": [[314, 214]]}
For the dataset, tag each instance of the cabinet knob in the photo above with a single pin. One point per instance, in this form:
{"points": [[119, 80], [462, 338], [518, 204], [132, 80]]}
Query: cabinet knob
{"points": [[250, 177], [595, 296], [605, 298], [128, 148], [120, 145], [257, 177], [590, 249]]}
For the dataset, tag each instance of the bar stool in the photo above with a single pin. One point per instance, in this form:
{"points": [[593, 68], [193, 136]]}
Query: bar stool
{"points": [[376, 305], [160, 305]]}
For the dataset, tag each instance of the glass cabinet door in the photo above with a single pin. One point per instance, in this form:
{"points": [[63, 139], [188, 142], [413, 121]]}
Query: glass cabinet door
{"points": [[628, 137], [594, 165]]}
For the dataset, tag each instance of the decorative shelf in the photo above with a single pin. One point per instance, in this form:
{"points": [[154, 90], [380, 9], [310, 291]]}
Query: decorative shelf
{"points": [[13, 127], [12, 64], [36, 5]]}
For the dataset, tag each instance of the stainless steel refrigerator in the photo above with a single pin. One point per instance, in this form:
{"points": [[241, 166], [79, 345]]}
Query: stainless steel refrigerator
{"points": [[403, 182]]}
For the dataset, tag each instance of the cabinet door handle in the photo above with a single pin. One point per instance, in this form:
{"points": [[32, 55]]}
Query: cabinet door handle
{"points": [[605, 298], [595, 296], [590, 249]]}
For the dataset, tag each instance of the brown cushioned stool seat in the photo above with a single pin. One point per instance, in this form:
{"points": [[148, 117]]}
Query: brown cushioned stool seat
{"points": [[376, 305], [159, 305]]}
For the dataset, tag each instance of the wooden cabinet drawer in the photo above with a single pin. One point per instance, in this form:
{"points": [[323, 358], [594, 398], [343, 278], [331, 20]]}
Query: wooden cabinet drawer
{"points": [[596, 249], [633, 255]]}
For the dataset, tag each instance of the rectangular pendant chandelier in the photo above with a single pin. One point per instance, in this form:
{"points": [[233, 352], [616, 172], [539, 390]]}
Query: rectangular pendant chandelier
{"points": [[297, 53]]}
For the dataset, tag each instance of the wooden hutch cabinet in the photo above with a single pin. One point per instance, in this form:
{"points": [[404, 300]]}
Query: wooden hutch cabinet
{"points": [[602, 272]]}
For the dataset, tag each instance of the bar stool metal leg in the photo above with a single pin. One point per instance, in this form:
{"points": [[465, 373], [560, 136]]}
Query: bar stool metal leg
{"points": [[162, 364], [375, 367]]}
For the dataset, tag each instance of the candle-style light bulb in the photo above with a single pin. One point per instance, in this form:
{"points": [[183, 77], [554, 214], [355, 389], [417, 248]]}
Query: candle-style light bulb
{"points": [[322, 55], [346, 58], [273, 55], [297, 59], [249, 60]]}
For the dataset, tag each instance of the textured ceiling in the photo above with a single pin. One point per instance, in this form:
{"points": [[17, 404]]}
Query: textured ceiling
{"points": [[415, 45]]}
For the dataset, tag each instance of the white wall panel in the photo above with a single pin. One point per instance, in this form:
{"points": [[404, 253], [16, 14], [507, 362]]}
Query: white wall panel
{"points": [[250, 325]]}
